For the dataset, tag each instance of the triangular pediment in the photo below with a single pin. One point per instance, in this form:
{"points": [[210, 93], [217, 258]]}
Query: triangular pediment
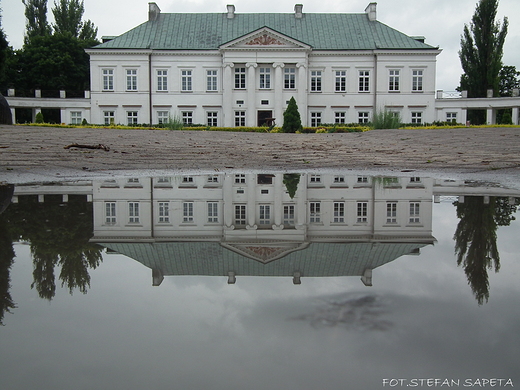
{"points": [[265, 252], [265, 38]]}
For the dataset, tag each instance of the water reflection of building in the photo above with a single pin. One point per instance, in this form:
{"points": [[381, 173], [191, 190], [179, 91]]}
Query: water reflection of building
{"points": [[247, 224]]}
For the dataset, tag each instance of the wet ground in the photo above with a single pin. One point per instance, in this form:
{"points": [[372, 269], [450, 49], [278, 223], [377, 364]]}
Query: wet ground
{"points": [[28, 151]]}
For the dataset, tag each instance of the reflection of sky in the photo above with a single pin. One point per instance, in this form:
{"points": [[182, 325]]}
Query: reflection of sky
{"points": [[266, 333]]}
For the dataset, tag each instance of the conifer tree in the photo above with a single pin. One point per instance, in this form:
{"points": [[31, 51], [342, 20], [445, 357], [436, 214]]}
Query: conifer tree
{"points": [[291, 118], [68, 15], [36, 19]]}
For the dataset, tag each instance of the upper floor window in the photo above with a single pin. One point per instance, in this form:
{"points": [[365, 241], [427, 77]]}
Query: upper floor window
{"points": [[133, 212], [240, 78], [108, 79], [162, 80], [187, 212], [314, 212], [289, 81], [393, 80], [110, 213], [417, 80], [186, 80], [315, 80], [265, 78], [164, 212], [341, 81], [131, 79], [211, 80], [364, 81]]}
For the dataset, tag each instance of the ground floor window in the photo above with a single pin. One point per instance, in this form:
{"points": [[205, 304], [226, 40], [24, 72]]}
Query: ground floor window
{"points": [[451, 117], [288, 215], [131, 117], [212, 117], [315, 119], [162, 117], [363, 117], [75, 118], [109, 117], [339, 117], [240, 118], [417, 117], [264, 215], [187, 118], [240, 214]]}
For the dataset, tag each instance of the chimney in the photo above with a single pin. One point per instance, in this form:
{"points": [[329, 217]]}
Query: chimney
{"points": [[371, 11], [298, 11], [153, 12], [230, 11]]}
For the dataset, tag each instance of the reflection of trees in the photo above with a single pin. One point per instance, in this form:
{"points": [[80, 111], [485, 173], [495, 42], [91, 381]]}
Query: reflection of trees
{"points": [[59, 234], [291, 181], [6, 261], [476, 239]]}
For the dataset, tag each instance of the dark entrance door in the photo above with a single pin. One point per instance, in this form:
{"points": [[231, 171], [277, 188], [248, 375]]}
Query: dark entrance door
{"points": [[265, 118]]}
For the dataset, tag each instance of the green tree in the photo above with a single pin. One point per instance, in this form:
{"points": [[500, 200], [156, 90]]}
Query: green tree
{"points": [[509, 80], [36, 19], [68, 16], [291, 118]]}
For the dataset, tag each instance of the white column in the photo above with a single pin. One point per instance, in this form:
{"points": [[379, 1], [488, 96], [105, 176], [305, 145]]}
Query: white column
{"points": [[278, 205], [227, 204], [490, 116], [227, 95], [251, 95], [279, 105], [464, 115], [251, 201], [514, 116], [13, 115], [301, 99]]}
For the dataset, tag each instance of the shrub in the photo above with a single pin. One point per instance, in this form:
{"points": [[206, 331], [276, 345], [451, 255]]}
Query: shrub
{"points": [[38, 118], [174, 123], [386, 120]]}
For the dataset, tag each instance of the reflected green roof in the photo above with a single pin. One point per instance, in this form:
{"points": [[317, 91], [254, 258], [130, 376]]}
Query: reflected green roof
{"points": [[208, 31]]}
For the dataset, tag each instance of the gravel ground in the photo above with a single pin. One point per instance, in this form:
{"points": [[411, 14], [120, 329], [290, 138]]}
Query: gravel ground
{"points": [[28, 152]]}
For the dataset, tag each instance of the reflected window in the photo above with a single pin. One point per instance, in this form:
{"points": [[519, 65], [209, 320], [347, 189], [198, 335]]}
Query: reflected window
{"points": [[213, 179], [339, 212], [187, 179], [315, 178], [133, 212], [240, 214], [264, 179], [362, 212], [314, 212], [264, 215], [414, 212], [339, 179], [362, 179], [391, 212], [288, 215], [212, 212], [164, 212], [187, 212], [110, 213], [240, 178]]}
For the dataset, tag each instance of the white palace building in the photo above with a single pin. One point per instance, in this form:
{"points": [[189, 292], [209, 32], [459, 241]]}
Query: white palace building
{"points": [[241, 69]]}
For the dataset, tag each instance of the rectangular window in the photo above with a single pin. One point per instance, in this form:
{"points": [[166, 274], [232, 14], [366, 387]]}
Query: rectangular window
{"points": [[339, 179], [414, 212], [211, 80], [187, 212], [212, 212], [363, 117], [314, 212], [75, 117], [391, 212], [109, 117], [240, 178], [240, 214], [264, 215], [417, 117], [315, 119], [162, 80], [364, 81], [339, 117], [315, 179], [212, 118], [164, 212], [213, 179], [362, 212], [162, 117], [393, 81], [108, 79], [186, 81], [451, 117], [132, 118], [289, 80], [133, 212], [315, 80], [187, 117], [362, 179], [265, 78], [339, 212], [240, 78], [240, 118], [417, 80], [187, 180], [110, 213], [341, 81], [288, 215], [131, 79]]}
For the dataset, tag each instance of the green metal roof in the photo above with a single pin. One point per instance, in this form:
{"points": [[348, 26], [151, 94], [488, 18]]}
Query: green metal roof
{"points": [[205, 31]]}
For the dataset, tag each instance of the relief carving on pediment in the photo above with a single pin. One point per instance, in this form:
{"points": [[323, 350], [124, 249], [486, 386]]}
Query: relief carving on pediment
{"points": [[265, 40]]}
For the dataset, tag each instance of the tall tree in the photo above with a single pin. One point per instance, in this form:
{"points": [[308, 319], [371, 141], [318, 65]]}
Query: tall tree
{"points": [[291, 118], [68, 16], [481, 50], [36, 15], [509, 80]]}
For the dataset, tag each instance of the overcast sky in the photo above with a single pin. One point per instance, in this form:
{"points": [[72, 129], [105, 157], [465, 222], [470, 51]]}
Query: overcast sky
{"points": [[440, 21]]}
